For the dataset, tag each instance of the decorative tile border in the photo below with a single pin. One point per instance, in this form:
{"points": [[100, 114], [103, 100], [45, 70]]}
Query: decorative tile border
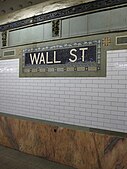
{"points": [[82, 8], [65, 67]]}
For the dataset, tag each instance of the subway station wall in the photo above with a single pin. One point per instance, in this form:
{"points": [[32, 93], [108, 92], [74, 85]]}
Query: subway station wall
{"points": [[93, 102], [34, 10], [100, 22]]}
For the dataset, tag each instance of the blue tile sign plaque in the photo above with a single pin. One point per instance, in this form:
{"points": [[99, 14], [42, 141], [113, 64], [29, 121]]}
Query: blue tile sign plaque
{"points": [[70, 59], [69, 56]]}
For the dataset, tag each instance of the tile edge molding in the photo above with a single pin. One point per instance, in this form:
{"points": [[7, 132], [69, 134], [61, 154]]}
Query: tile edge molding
{"points": [[65, 125], [70, 11]]}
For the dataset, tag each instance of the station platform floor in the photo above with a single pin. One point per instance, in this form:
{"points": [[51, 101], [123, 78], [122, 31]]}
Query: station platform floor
{"points": [[13, 159]]}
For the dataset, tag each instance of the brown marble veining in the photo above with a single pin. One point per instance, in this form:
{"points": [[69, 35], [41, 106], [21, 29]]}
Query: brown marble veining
{"points": [[77, 148], [115, 152]]}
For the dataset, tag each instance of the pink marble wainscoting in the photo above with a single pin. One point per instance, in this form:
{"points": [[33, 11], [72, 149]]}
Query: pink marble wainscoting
{"points": [[74, 147]]}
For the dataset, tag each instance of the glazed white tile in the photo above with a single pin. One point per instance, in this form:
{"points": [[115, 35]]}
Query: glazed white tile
{"points": [[99, 102]]}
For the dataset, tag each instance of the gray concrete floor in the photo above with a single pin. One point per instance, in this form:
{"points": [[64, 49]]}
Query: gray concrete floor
{"points": [[12, 159]]}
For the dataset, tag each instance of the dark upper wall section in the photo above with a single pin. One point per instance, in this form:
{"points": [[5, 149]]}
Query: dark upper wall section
{"points": [[17, 10], [7, 6], [81, 8]]}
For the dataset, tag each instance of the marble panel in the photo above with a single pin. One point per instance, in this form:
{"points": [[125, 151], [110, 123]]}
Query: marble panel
{"points": [[78, 148]]}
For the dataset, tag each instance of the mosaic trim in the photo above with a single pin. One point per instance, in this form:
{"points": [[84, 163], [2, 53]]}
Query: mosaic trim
{"points": [[86, 7], [4, 38], [68, 67], [56, 28]]}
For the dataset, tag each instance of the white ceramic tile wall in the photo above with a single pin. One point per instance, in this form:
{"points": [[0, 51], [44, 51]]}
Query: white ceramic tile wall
{"points": [[94, 102]]}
